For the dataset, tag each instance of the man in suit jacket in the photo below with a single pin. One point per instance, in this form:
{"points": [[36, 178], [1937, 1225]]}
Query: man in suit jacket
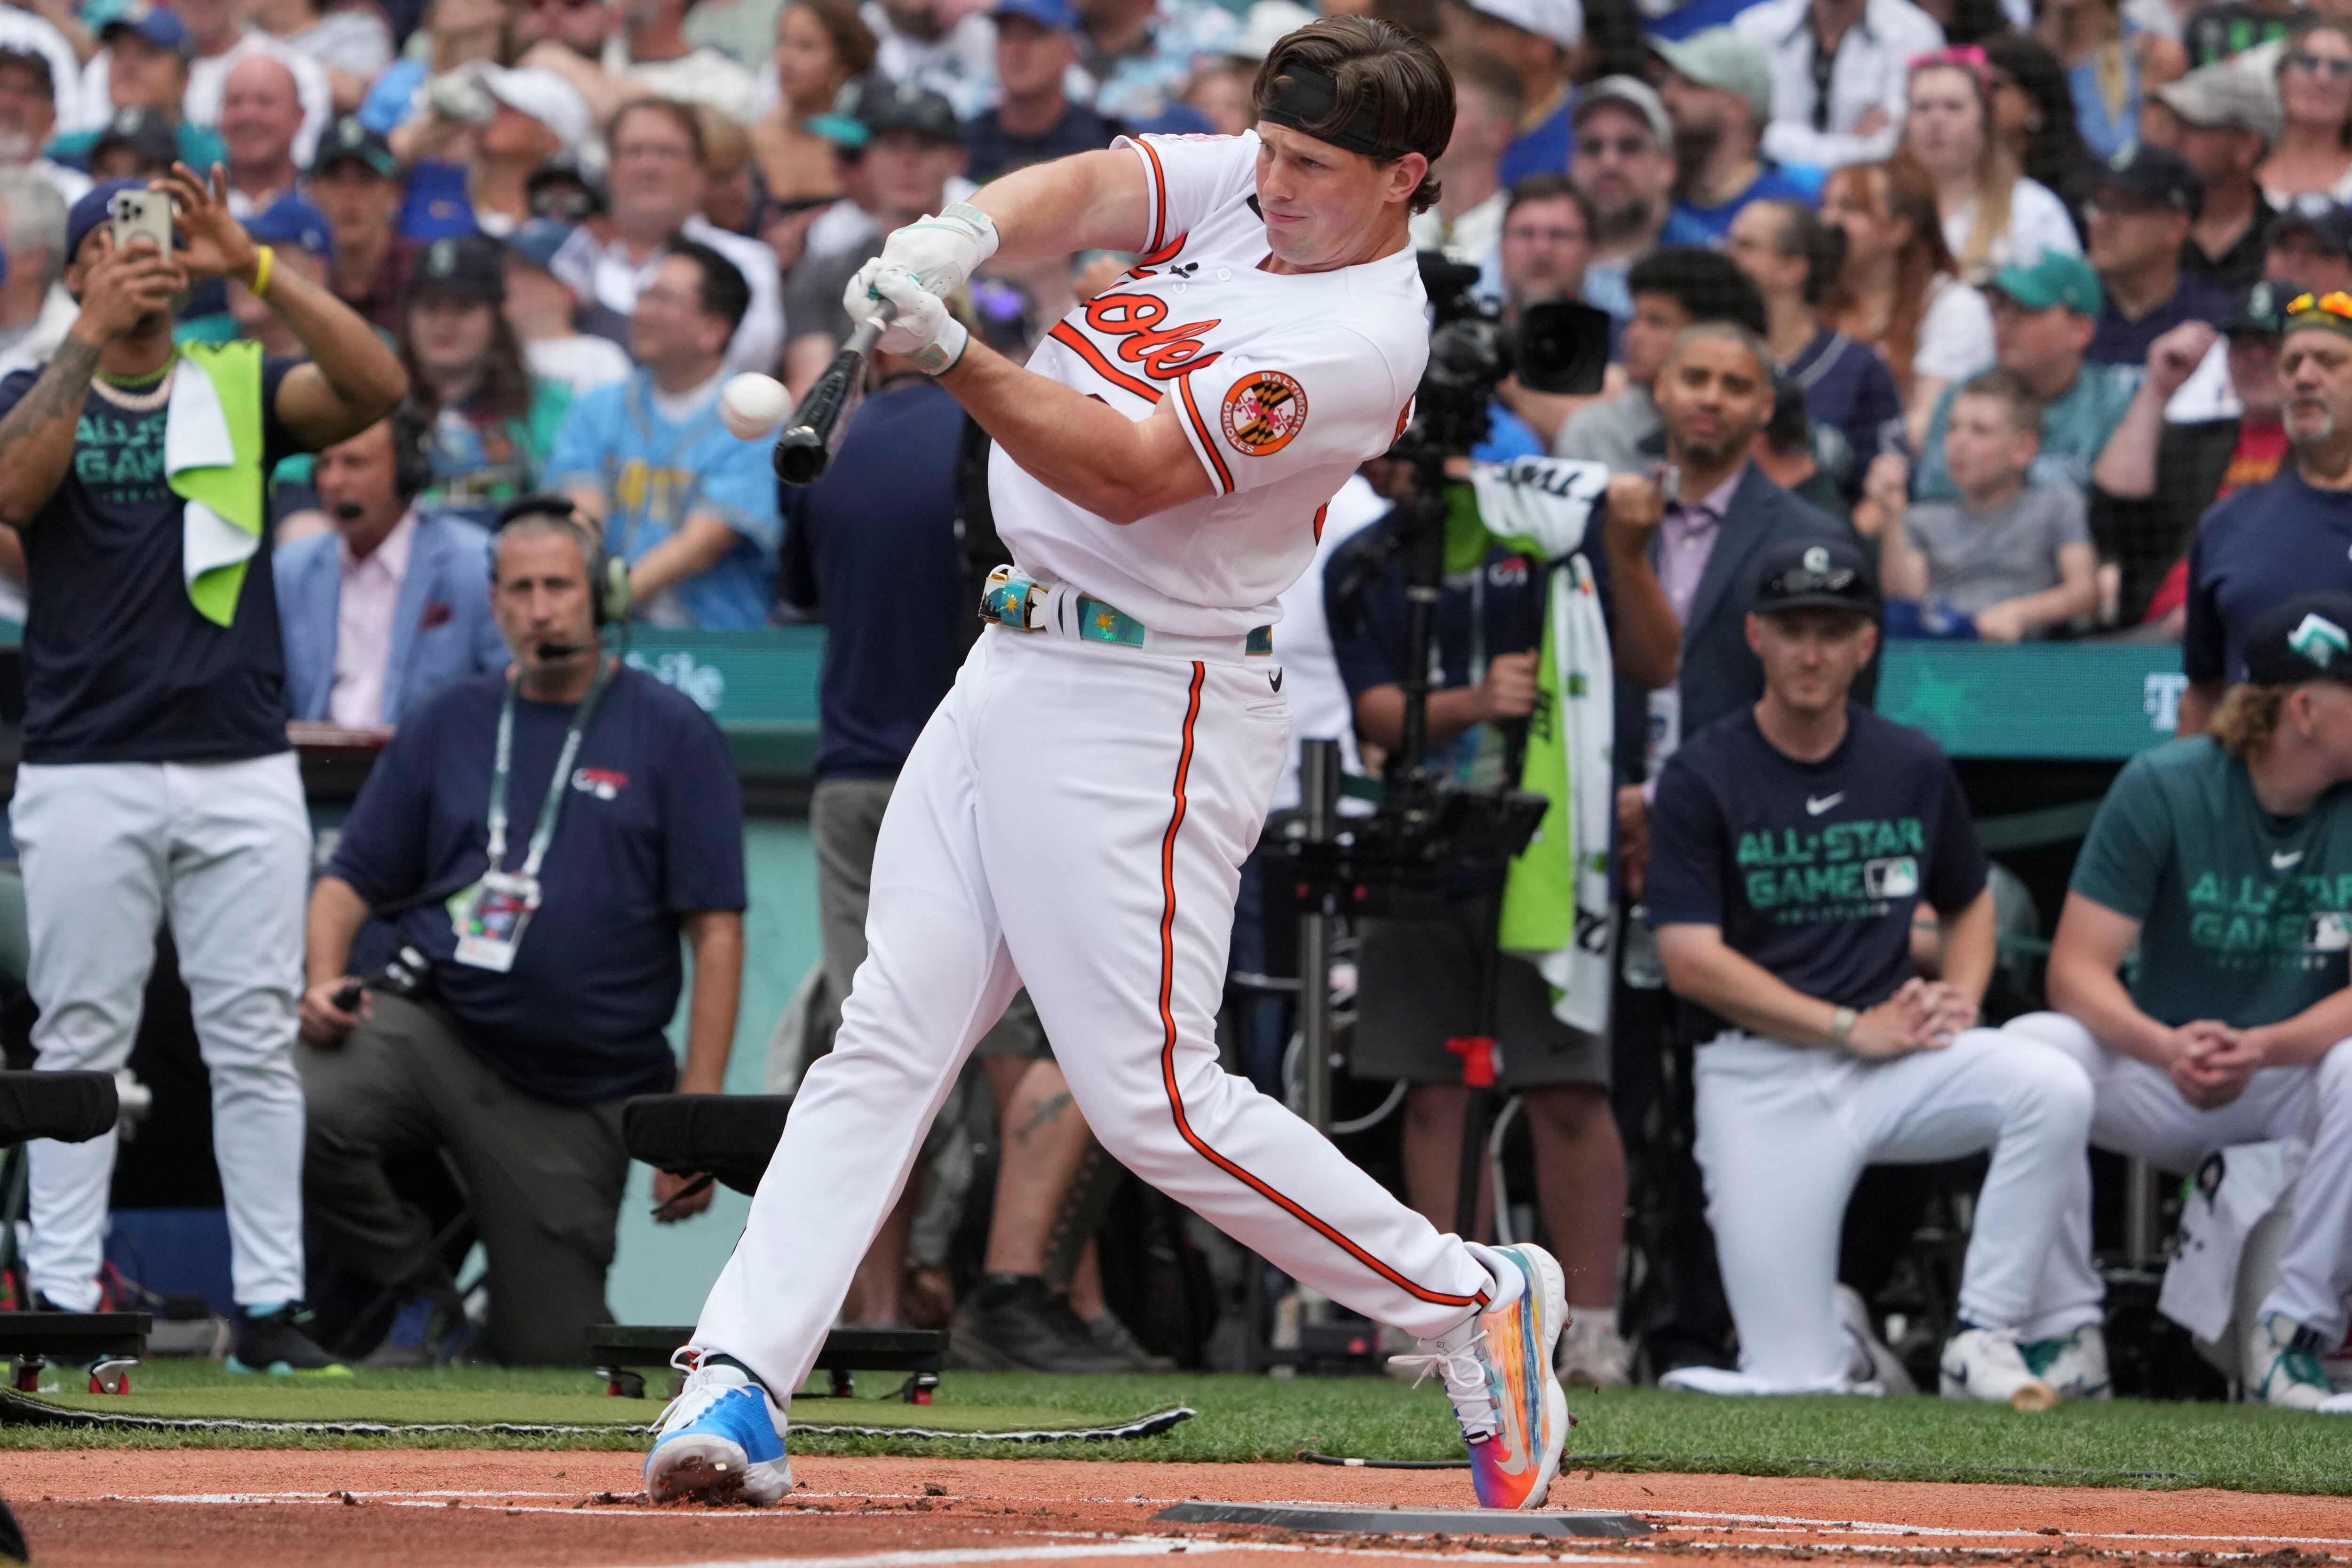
{"points": [[395, 603], [1684, 560]]}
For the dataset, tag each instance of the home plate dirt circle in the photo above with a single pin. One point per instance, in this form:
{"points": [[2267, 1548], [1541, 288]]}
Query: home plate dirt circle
{"points": [[393, 1509]]}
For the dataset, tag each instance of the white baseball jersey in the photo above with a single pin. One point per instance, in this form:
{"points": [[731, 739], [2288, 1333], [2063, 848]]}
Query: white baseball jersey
{"points": [[1284, 382]]}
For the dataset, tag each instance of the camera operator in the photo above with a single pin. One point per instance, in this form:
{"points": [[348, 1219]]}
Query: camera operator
{"points": [[1426, 981], [552, 923], [156, 779]]}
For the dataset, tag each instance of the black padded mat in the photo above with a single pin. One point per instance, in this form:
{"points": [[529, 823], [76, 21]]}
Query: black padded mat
{"points": [[733, 1136], [71, 1106]]}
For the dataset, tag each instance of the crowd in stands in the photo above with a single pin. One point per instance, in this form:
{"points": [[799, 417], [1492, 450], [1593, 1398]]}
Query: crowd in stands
{"points": [[1988, 300]]}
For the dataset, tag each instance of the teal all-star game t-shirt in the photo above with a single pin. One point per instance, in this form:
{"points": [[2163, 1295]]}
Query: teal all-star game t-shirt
{"points": [[2242, 914]]}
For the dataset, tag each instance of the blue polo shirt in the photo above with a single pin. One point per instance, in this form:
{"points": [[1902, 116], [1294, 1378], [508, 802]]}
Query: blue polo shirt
{"points": [[1689, 221], [2252, 552], [1543, 148], [651, 830]]}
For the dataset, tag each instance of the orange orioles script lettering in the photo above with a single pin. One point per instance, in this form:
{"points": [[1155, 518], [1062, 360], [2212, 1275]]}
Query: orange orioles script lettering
{"points": [[1134, 319]]}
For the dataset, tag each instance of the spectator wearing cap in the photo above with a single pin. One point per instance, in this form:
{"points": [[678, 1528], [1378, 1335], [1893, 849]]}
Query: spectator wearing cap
{"points": [[649, 56], [356, 182], [2043, 319], [691, 508], [2139, 215], [135, 145], [261, 115], [351, 44], [1141, 53], [392, 603], [141, 64], [35, 307], [1033, 120], [493, 422], [218, 41], [915, 148], [2267, 544], [303, 242], [1718, 93], [28, 118], [545, 313], [2314, 81], [1838, 69], [1823, 1048], [821, 46], [2159, 474], [1625, 165], [1537, 40], [2221, 122], [1468, 219], [657, 187]]}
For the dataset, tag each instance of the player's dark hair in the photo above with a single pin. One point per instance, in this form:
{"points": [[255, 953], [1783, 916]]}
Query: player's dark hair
{"points": [[1378, 67], [2006, 388], [669, 109], [722, 291], [1551, 188], [1705, 283]]}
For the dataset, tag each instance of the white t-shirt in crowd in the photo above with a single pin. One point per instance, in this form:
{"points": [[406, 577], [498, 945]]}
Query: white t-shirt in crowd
{"points": [[353, 40], [580, 362], [2037, 222], [608, 274], [1956, 334], [698, 76], [960, 65], [1282, 383]]}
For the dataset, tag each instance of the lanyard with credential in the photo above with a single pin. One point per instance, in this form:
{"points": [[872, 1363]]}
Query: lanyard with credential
{"points": [[491, 916]]}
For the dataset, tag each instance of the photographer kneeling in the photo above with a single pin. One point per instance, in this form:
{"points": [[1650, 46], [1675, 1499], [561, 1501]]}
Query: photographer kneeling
{"points": [[551, 833]]}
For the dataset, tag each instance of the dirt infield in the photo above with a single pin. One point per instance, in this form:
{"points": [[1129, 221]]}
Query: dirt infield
{"points": [[192, 1508]]}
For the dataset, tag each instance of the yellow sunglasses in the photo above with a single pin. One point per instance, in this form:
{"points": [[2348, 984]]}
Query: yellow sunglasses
{"points": [[2334, 303]]}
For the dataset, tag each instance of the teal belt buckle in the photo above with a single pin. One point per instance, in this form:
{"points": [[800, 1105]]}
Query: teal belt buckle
{"points": [[1006, 602], [1098, 622], [1260, 644]]}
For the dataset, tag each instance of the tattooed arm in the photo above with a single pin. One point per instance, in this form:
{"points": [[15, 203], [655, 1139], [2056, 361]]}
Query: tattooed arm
{"points": [[37, 437]]}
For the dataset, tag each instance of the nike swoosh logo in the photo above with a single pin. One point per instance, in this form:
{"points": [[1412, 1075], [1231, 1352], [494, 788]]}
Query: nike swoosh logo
{"points": [[2285, 860], [1276, 678], [1815, 807]]}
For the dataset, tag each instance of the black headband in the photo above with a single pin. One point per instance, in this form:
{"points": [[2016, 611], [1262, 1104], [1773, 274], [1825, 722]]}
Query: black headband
{"points": [[1302, 99]]}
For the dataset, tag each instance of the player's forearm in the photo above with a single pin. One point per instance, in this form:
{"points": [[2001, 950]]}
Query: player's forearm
{"points": [[695, 549], [1379, 714], [1902, 569], [2126, 464], [1971, 940], [359, 376], [1700, 969], [714, 938], [2083, 984], [1090, 201], [1082, 449], [336, 914], [2308, 1035], [36, 438]]}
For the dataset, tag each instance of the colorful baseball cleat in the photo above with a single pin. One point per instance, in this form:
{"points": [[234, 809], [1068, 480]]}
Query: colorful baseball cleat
{"points": [[720, 1441], [1498, 1370]]}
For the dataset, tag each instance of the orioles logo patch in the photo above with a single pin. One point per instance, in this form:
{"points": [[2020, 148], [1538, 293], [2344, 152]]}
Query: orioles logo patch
{"points": [[1263, 411]]}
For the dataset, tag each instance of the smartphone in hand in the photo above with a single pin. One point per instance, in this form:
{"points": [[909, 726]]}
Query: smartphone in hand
{"points": [[141, 216]]}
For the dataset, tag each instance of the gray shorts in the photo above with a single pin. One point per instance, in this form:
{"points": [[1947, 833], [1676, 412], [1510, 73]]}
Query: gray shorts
{"points": [[1417, 985]]}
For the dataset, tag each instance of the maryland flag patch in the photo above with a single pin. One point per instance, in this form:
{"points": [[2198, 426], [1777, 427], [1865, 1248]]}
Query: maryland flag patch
{"points": [[1263, 411]]}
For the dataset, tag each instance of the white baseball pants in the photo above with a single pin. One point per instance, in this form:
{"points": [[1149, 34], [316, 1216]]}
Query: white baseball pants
{"points": [[1075, 815], [1784, 1132], [2140, 1113], [223, 849]]}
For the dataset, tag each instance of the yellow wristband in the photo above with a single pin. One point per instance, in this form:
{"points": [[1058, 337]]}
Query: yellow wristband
{"points": [[268, 254]]}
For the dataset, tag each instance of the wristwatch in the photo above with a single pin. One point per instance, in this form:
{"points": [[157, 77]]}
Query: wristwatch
{"points": [[1842, 1023]]}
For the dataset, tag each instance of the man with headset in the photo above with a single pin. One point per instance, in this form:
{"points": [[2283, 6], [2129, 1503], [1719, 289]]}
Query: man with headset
{"points": [[543, 839]]}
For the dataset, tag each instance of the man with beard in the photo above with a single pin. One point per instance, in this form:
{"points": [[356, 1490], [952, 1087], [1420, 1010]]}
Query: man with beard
{"points": [[2264, 545], [1718, 93], [1625, 167], [28, 114]]}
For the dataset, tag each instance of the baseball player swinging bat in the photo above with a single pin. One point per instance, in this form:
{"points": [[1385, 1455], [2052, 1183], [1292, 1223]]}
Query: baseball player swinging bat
{"points": [[805, 449], [1075, 812]]}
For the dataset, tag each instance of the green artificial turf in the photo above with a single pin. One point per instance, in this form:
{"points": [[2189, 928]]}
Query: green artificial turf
{"points": [[2125, 1443]]}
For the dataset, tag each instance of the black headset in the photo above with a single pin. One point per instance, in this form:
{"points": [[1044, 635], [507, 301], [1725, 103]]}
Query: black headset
{"points": [[412, 451], [608, 575]]}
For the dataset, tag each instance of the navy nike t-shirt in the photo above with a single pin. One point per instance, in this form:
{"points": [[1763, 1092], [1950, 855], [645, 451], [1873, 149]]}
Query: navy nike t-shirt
{"points": [[118, 666], [2252, 552], [652, 829], [1811, 870]]}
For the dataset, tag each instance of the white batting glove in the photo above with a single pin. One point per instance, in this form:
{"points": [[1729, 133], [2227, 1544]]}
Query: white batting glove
{"points": [[924, 330], [943, 251]]}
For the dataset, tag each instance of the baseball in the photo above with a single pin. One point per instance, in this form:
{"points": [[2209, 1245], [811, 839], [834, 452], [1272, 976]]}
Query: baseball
{"points": [[753, 406]]}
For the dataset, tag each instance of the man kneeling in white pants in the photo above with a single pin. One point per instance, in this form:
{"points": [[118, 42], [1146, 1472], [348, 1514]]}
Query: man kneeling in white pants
{"points": [[2226, 859], [1790, 845]]}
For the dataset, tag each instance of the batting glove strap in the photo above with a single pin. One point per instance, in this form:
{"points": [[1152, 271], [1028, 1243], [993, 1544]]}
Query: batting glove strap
{"points": [[942, 352]]}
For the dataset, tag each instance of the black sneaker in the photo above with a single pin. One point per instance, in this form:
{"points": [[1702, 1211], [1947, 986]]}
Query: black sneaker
{"points": [[430, 1330], [1013, 1323], [279, 1344]]}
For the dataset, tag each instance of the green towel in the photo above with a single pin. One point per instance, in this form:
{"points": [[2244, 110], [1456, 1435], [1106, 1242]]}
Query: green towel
{"points": [[230, 491]]}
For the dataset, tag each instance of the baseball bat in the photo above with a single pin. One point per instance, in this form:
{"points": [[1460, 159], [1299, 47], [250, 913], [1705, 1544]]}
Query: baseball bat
{"points": [[805, 449]]}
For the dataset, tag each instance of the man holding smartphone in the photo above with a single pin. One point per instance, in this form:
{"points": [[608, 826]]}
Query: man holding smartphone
{"points": [[157, 782]]}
